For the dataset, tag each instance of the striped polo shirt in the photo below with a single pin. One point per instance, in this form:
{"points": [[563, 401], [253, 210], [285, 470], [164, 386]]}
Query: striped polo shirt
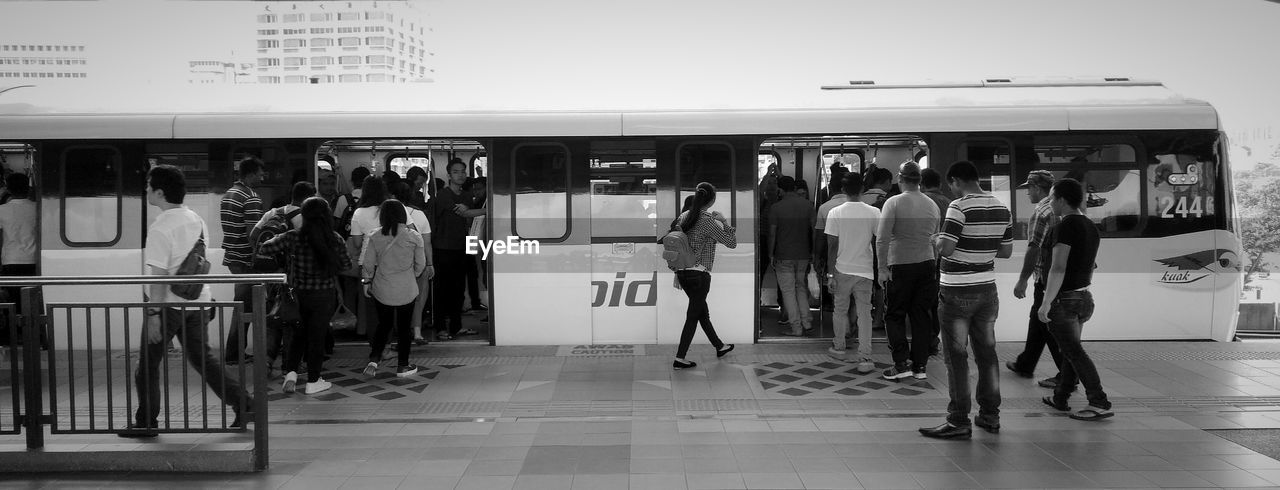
{"points": [[240, 210], [978, 224]]}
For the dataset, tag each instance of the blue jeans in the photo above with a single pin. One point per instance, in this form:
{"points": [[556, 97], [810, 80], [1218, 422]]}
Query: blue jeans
{"points": [[1038, 337], [191, 328], [1067, 315], [795, 292], [965, 317], [696, 284]]}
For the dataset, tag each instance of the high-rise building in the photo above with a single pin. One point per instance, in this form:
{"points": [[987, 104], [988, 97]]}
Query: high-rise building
{"points": [[214, 71], [24, 62], [343, 42]]}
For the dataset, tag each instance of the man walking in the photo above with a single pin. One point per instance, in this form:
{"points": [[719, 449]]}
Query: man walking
{"points": [[851, 230], [790, 225], [240, 211], [1068, 303], [906, 262], [169, 239], [978, 229], [1042, 220]]}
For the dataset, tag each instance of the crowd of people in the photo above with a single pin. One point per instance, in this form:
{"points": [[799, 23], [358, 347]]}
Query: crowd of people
{"points": [[912, 260]]}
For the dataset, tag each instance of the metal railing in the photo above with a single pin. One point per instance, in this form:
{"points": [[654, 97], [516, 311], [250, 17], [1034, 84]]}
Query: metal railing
{"points": [[92, 345]]}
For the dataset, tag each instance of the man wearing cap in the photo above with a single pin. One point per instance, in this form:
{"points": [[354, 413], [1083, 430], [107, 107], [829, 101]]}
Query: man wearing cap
{"points": [[1038, 185], [906, 260]]}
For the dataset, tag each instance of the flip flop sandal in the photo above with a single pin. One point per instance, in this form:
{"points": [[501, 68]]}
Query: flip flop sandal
{"points": [[1091, 414], [466, 331], [1063, 407]]}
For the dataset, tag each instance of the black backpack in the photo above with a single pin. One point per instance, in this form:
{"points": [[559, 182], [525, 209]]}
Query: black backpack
{"points": [[279, 222], [344, 223]]}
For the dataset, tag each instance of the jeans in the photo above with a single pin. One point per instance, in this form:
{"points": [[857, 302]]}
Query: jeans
{"points": [[450, 281], [859, 288], [392, 317], [316, 307], [1066, 318], [1038, 337], [795, 292], [243, 294], [911, 290], [971, 317], [191, 328], [696, 284]]}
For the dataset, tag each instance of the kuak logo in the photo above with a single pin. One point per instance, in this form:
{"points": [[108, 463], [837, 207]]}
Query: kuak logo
{"points": [[1193, 267], [620, 285]]}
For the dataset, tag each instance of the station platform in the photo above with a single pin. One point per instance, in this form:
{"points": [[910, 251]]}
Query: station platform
{"points": [[776, 416]]}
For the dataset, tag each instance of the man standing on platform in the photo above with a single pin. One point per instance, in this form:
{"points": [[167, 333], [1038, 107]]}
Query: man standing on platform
{"points": [[790, 226], [240, 211], [978, 229], [851, 231], [906, 262], [1043, 219]]}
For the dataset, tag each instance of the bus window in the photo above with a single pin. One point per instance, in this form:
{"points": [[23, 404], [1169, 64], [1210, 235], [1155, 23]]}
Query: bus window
{"points": [[1181, 180], [91, 196], [541, 204], [711, 163], [992, 158], [624, 190], [1108, 172]]}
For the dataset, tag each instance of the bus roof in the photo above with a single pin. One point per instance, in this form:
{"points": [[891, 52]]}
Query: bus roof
{"points": [[58, 111]]}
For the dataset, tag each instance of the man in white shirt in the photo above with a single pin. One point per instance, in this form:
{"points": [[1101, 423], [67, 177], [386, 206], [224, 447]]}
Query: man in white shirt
{"points": [[819, 224], [851, 230], [170, 238], [18, 224]]}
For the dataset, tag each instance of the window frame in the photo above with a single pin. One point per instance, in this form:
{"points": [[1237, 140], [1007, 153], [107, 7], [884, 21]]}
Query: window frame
{"points": [[62, 198], [733, 176], [568, 190]]}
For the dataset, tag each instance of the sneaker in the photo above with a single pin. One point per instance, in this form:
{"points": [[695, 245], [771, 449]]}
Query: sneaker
{"points": [[318, 386], [865, 366], [836, 352], [406, 371], [727, 348], [443, 336], [467, 331], [678, 364], [896, 373], [371, 369], [918, 373], [290, 382]]}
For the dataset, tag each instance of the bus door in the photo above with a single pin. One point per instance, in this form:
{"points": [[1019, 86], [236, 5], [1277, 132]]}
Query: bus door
{"points": [[625, 255]]}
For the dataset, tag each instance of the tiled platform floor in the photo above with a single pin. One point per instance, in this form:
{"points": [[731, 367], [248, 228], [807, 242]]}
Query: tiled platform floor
{"points": [[766, 416]]}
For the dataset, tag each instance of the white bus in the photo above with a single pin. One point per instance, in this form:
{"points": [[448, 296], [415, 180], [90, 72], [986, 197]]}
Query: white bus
{"points": [[595, 179]]}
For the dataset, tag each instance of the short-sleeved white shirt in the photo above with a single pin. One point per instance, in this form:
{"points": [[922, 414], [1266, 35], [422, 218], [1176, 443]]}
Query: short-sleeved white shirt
{"points": [[365, 220], [169, 240], [854, 223], [18, 222]]}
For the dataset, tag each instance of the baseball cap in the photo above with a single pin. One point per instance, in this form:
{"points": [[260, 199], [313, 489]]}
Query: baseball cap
{"points": [[1040, 178], [909, 171]]}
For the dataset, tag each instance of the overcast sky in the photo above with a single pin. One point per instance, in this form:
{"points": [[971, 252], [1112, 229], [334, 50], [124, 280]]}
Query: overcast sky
{"points": [[1222, 51]]}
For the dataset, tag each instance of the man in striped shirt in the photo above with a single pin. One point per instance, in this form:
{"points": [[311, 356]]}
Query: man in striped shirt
{"points": [[240, 211], [978, 229]]}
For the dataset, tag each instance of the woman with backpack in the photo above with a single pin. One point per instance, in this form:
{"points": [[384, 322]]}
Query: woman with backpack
{"points": [[393, 258], [704, 229], [315, 255]]}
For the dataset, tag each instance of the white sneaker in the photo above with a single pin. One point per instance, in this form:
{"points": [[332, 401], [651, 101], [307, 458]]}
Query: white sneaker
{"points": [[865, 366], [921, 374], [371, 369], [836, 352], [290, 382], [318, 386]]}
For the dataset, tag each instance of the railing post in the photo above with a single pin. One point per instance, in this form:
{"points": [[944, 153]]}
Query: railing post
{"points": [[32, 328], [261, 374]]}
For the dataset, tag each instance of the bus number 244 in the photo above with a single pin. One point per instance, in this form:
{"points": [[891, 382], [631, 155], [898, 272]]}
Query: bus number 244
{"points": [[1169, 208]]}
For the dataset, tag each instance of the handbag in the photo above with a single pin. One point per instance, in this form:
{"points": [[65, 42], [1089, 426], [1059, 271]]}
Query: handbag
{"points": [[194, 264], [285, 306]]}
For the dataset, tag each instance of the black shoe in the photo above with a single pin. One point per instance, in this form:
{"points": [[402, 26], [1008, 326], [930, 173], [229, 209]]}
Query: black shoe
{"points": [[683, 365], [947, 431], [724, 350], [1060, 406], [242, 419], [991, 427], [136, 432], [1014, 367]]}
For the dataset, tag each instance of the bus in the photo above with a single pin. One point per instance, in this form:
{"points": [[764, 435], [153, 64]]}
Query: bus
{"points": [[593, 180]]}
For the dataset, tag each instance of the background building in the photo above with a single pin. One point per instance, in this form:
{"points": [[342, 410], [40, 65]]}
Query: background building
{"points": [[23, 62], [215, 71], [342, 42]]}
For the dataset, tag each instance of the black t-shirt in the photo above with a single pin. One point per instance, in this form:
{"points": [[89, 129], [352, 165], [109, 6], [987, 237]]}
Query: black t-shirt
{"points": [[1081, 234], [448, 230]]}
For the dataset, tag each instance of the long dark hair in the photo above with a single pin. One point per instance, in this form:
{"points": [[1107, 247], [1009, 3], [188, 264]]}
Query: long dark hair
{"points": [[703, 197], [391, 215], [372, 192], [317, 232]]}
